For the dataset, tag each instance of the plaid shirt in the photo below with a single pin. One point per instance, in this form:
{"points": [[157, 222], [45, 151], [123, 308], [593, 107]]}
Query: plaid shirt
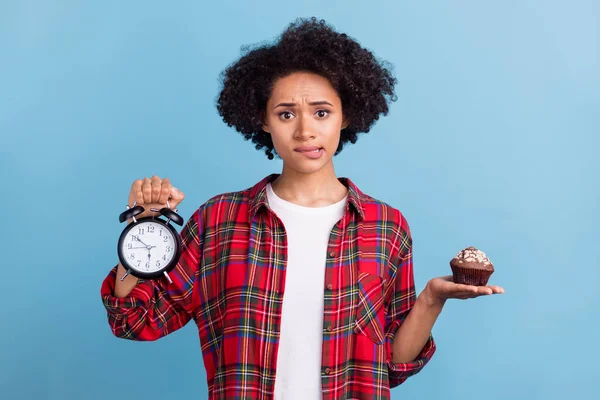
{"points": [[230, 279]]}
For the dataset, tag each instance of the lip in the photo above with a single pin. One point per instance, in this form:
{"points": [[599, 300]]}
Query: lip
{"points": [[311, 154], [302, 149]]}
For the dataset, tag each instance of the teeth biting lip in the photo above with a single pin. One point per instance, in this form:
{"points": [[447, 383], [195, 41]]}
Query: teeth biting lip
{"points": [[308, 149]]}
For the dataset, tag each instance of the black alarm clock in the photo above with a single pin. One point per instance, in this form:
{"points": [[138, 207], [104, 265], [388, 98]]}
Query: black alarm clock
{"points": [[149, 247]]}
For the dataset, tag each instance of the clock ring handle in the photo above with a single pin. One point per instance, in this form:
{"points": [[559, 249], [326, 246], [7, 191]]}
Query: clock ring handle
{"points": [[172, 215], [131, 212]]}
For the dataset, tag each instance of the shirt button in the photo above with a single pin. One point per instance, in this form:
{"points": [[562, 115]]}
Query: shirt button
{"points": [[327, 371], [329, 286], [329, 328], [331, 254]]}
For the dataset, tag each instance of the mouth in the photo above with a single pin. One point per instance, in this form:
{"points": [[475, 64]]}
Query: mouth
{"points": [[308, 149], [310, 152]]}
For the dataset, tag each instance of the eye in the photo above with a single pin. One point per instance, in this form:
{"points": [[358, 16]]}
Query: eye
{"points": [[286, 115], [322, 113]]}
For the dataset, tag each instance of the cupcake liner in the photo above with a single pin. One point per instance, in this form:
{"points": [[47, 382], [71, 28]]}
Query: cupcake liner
{"points": [[471, 276]]}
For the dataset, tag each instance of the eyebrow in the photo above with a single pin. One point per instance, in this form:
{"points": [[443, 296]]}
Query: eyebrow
{"points": [[314, 103]]}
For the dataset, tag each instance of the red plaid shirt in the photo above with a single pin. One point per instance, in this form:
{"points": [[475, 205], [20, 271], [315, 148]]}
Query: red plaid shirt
{"points": [[231, 277]]}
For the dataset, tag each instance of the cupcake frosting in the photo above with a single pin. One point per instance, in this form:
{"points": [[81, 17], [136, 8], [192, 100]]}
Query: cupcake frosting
{"points": [[471, 254]]}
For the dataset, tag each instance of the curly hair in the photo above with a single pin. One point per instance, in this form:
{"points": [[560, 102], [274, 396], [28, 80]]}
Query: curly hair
{"points": [[364, 84]]}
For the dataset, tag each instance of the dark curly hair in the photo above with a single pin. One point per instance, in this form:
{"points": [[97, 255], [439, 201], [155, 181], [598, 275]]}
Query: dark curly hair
{"points": [[364, 84]]}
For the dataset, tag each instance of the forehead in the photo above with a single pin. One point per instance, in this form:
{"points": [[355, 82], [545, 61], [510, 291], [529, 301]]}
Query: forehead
{"points": [[303, 85]]}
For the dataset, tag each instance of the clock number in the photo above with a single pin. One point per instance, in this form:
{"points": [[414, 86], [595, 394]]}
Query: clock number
{"points": [[141, 231], [150, 229], [160, 232], [165, 239], [132, 256], [165, 257], [135, 238], [139, 262], [158, 263], [168, 249], [129, 245], [148, 264]]}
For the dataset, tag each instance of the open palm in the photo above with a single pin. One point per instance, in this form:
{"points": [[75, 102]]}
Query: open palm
{"points": [[444, 288]]}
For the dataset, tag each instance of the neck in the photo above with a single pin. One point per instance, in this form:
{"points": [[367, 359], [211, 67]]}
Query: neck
{"points": [[316, 189]]}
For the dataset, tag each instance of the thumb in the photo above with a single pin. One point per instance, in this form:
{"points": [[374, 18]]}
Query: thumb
{"points": [[176, 197]]}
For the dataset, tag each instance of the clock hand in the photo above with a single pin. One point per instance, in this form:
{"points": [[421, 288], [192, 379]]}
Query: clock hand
{"points": [[148, 247], [139, 240]]}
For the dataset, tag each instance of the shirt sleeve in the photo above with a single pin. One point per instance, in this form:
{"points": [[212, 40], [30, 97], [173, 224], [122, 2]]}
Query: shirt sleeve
{"points": [[155, 307], [401, 299]]}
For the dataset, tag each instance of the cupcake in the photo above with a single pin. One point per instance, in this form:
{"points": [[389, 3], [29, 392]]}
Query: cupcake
{"points": [[471, 267]]}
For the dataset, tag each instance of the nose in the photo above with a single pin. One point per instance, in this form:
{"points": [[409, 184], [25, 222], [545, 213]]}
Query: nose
{"points": [[304, 129]]}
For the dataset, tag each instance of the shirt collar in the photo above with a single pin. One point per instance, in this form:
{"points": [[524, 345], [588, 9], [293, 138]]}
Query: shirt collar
{"points": [[258, 196]]}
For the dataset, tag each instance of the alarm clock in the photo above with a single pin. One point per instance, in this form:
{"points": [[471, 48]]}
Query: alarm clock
{"points": [[149, 247]]}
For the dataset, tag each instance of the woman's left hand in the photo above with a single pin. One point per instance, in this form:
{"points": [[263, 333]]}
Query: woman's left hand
{"points": [[444, 288]]}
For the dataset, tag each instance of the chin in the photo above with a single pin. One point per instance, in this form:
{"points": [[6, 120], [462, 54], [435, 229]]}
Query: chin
{"points": [[309, 170], [307, 167]]}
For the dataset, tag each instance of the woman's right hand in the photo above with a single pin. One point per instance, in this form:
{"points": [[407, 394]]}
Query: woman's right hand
{"points": [[153, 193]]}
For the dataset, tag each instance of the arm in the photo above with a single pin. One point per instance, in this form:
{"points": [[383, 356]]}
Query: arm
{"points": [[150, 309], [409, 343], [413, 334], [124, 287], [412, 344]]}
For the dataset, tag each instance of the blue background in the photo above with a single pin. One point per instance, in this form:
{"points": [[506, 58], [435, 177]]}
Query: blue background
{"points": [[493, 142]]}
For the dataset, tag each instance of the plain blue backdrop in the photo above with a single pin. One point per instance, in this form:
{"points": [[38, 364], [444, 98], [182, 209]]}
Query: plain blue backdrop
{"points": [[493, 143]]}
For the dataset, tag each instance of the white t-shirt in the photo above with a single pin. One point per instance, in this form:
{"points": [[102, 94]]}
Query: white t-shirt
{"points": [[298, 373]]}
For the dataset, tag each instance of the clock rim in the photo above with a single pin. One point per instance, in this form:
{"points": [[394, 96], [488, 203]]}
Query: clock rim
{"points": [[150, 275]]}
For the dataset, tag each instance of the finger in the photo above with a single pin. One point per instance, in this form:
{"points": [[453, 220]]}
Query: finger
{"points": [[156, 184], [497, 289], [176, 197], [165, 191], [463, 297], [453, 290], [135, 194], [484, 290], [465, 288], [476, 291], [479, 293], [147, 190]]}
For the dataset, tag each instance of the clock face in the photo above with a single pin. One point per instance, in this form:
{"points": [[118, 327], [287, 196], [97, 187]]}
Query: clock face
{"points": [[148, 247]]}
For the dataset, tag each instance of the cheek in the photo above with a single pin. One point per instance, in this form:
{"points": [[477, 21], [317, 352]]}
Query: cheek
{"points": [[279, 134], [334, 133], [281, 131], [281, 140]]}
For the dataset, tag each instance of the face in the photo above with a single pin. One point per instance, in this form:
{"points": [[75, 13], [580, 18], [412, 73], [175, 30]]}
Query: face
{"points": [[304, 117]]}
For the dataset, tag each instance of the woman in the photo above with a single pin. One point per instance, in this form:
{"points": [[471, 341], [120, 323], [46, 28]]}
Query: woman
{"points": [[302, 285]]}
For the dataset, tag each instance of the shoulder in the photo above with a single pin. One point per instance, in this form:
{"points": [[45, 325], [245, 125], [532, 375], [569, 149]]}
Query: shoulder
{"points": [[379, 212], [224, 206], [227, 199], [389, 223]]}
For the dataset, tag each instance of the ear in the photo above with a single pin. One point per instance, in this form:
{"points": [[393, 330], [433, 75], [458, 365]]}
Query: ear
{"points": [[345, 124], [265, 127]]}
